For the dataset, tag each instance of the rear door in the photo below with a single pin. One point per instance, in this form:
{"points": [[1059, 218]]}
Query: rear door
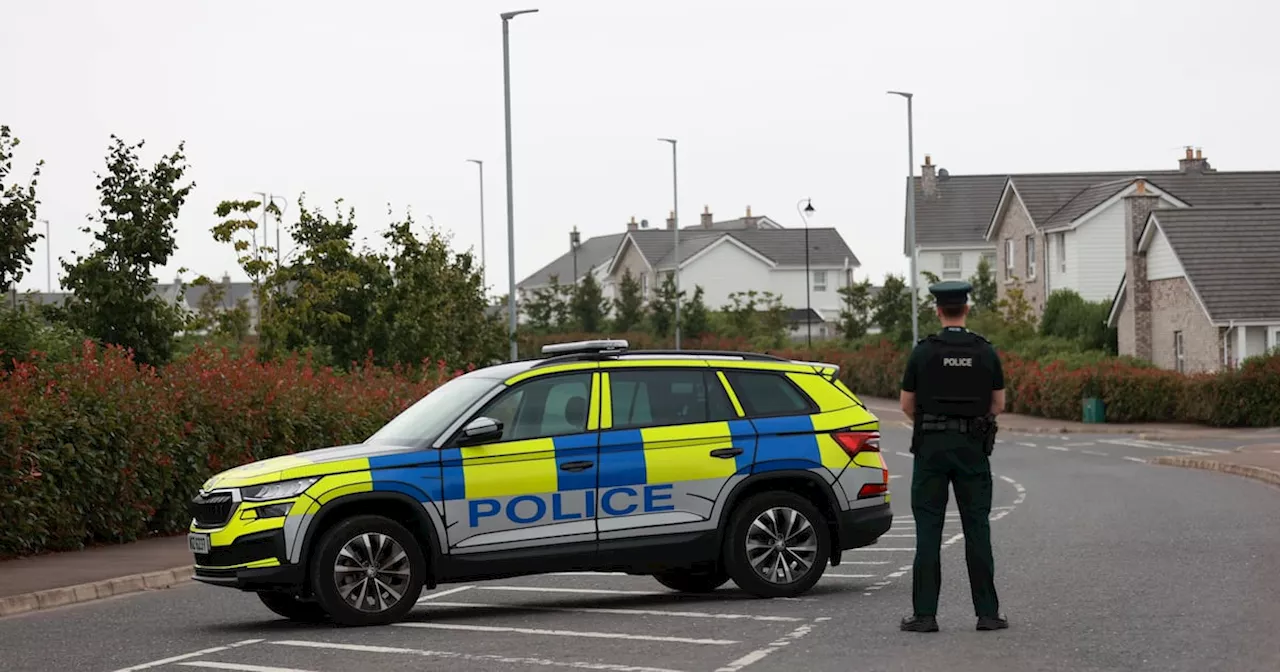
{"points": [[671, 441]]}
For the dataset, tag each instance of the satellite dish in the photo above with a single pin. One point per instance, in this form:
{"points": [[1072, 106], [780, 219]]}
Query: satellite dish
{"points": [[644, 223], [943, 174]]}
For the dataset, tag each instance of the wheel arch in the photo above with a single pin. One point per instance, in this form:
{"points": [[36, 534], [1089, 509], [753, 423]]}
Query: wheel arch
{"points": [[801, 482], [396, 506]]}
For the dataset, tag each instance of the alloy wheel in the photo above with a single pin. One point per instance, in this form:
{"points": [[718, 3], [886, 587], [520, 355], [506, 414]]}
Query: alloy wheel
{"points": [[782, 545], [372, 572]]}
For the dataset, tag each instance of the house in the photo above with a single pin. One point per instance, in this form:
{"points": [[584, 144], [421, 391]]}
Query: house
{"points": [[1199, 292], [746, 253], [1050, 231]]}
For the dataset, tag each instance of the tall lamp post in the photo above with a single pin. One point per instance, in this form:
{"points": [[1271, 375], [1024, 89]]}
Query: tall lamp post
{"points": [[484, 267], [511, 228], [575, 239], [675, 217], [911, 218], [48, 252], [808, 280]]}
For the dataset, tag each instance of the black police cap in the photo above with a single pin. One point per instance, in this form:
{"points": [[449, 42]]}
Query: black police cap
{"points": [[951, 292]]}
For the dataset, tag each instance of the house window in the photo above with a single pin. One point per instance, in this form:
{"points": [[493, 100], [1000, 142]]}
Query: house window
{"points": [[1062, 252], [1179, 353], [1008, 259], [951, 265], [819, 281], [1031, 256], [644, 285], [990, 258]]}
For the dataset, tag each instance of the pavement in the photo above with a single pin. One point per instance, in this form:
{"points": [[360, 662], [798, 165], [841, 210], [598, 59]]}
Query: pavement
{"points": [[1105, 561]]}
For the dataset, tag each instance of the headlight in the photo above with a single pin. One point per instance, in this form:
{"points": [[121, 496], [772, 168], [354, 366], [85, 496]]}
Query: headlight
{"points": [[278, 490]]}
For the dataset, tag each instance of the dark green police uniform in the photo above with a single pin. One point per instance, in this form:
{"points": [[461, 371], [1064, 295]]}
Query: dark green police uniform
{"points": [[953, 374]]}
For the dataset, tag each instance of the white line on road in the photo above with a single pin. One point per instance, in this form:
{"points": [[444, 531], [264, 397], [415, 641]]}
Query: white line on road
{"points": [[904, 454], [1006, 479], [872, 548], [1094, 452], [566, 633], [1133, 443], [897, 536], [584, 591], [587, 574], [895, 475], [239, 667], [472, 657], [443, 593], [1139, 460], [628, 612], [185, 656], [848, 576], [1024, 443], [1061, 448], [864, 562], [953, 540], [1082, 443], [760, 654]]}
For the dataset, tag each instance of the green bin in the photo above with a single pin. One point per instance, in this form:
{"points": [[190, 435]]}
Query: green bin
{"points": [[1094, 410]]}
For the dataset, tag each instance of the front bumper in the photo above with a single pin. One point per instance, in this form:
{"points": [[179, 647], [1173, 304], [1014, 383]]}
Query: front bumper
{"points": [[864, 526], [254, 561]]}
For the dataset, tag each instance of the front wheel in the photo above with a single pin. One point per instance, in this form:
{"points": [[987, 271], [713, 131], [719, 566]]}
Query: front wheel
{"points": [[692, 581], [369, 570], [292, 608], [777, 545]]}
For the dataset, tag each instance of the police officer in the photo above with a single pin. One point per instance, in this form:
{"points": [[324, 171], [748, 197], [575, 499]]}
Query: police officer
{"points": [[952, 389]]}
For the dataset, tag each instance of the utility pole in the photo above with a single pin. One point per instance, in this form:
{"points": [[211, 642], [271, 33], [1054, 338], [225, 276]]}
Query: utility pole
{"points": [[511, 230], [911, 218], [675, 217]]}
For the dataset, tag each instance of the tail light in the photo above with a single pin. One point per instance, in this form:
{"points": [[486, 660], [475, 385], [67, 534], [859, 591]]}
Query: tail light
{"points": [[858, 442], [873, 490]]}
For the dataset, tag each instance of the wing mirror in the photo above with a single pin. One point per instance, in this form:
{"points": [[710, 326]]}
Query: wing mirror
{"points": [[481, 430]]}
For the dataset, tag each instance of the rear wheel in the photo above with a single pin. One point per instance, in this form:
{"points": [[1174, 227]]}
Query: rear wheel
{"points": [[777, 545], [691, 580], [368, 570], [292, 608]]}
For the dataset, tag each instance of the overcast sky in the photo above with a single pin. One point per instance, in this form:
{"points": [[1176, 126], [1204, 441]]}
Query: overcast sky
{"points": [[380, 103]]}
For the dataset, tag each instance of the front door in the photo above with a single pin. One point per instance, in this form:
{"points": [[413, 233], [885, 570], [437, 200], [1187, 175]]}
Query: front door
{"points": [[670, 441], [534, 486]]}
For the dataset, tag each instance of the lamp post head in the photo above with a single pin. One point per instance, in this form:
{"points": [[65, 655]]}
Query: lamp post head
{"points": [[575, 238], [507, 16], [475, 161], [904, 94], [808, 209], [670, 140]]}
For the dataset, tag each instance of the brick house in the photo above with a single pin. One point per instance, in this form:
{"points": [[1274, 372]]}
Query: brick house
{"points": [[1200, 287]]}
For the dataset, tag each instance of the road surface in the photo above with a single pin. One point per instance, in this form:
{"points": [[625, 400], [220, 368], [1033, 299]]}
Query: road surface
{"points": [[1103, 562]]}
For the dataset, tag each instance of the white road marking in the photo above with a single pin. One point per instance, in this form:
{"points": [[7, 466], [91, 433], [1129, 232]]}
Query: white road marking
{"points": [[1024, 443], [484, 658], [953, 540], [1082, 443], [565, 633], [1061, 448], [583, 591], [588, 574], [1165, 444], [895, 476], [872, 548], [897, 536], [239, 667], [897, 574], [1133, 443], [848, 576], [1006, 479], [904, 454], [443, 593], [185, 656], [1094, 452], [1139, 460], [631, 612], [999, 440], [759, 654], [864, 562]]}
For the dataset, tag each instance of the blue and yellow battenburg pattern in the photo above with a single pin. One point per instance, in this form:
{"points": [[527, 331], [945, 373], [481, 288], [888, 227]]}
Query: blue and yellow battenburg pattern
{"points": [[623, 457]]}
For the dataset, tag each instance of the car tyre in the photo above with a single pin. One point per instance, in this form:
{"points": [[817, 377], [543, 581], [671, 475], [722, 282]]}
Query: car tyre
{"points": [[368, 570], [688, 580], [292, 608], [760, 565]]}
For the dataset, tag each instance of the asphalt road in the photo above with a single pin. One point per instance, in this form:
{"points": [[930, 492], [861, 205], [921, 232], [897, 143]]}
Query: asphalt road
{"points": [[1103, 563]]}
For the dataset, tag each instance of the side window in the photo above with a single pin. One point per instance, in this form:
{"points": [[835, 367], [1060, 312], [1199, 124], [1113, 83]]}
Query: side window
{"points": [[542, 407], [764, 394], [667, 397]]}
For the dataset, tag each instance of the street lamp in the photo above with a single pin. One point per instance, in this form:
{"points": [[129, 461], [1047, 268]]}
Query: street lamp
{"points": [[575, 239], [48, 249], [675, 217], [511, 228], [484, 267], [911, 218], [808, 280]]}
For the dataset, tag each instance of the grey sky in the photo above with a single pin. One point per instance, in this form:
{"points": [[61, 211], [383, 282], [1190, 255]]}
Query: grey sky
{"points": [[382, 102]]}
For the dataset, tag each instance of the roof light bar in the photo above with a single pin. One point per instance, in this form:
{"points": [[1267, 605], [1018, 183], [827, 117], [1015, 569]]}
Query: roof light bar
{"points": [[575, 347]]}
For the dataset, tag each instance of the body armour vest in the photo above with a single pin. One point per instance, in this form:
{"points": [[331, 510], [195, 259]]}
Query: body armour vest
{"points": [[957, 383]]}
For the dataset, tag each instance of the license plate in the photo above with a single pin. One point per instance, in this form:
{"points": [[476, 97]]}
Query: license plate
{"points": [[198, 543]]}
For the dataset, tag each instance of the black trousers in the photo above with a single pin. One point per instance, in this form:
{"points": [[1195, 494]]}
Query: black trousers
{"points": [[946, 459]]}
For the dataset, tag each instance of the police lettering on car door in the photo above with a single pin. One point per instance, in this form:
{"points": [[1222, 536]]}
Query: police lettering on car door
{"points": [[563, 506]]}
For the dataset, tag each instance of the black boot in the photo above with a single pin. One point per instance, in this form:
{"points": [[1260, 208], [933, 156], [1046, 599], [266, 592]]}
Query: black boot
{"points": [[919, 623], [992, 623]]}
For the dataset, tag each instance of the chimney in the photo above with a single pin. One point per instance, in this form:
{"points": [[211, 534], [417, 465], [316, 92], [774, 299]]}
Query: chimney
{"points": [[1138, 206], [632, 225], [226, 278], [1194, 162], [706, 217], [671, 220], [928, 177]]}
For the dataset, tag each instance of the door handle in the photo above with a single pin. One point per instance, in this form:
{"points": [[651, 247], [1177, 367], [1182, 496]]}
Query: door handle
{"points": [[726, 453], [576, 466]]}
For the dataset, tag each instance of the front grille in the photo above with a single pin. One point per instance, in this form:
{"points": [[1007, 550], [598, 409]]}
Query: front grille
{"points": [[212, 509]]}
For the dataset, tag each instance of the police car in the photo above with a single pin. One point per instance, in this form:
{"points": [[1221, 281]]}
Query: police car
{"points": [[694, 467]]}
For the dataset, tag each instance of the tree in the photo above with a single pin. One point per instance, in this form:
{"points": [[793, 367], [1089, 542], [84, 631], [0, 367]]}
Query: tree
{"points": [[256, 262], [214, 314], [548, 308], [1015, 312], [113, 291], [695, 318], [891, 309], [855, 311], [771, 322], [628, 306], [17, 215], [662, 308], [985, 293], [435, 306], [588, 306]]}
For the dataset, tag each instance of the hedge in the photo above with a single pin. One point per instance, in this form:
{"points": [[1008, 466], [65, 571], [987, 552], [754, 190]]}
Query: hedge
{"points": [[99, 450]]}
